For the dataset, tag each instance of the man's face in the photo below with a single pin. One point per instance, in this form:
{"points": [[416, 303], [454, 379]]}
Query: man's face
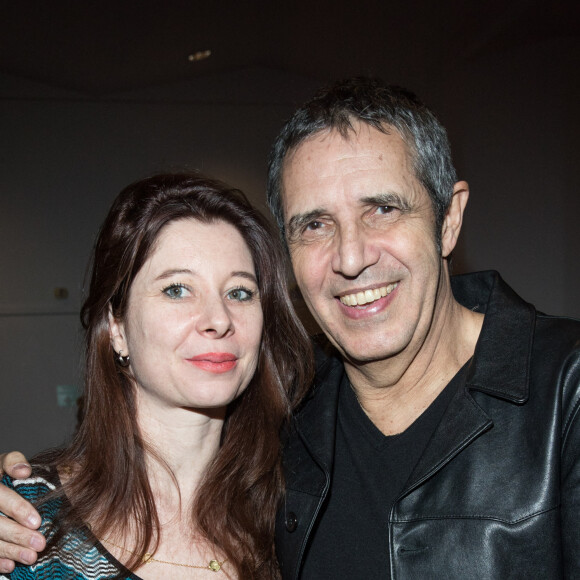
{"points": [[361, 233]]}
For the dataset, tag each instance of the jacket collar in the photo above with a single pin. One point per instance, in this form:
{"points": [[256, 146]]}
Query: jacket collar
{"points": [[317, 419], [501, 362]]}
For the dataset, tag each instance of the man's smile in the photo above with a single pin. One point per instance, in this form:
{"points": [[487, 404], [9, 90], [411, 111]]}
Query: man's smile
{"points": [[367, 296]]}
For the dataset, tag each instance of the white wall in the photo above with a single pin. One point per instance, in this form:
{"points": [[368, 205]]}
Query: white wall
{"points": [[512, 117]]}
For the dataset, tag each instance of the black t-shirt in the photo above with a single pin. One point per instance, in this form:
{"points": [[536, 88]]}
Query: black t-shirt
{"points": [[350, 539]]}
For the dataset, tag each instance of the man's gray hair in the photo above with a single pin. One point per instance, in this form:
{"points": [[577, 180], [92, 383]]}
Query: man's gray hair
{"points": [[384, 107]]}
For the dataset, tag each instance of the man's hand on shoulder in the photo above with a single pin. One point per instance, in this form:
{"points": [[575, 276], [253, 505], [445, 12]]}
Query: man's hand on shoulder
{"points": [[19, 542]]}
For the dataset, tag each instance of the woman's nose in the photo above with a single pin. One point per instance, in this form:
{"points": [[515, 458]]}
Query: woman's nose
{"points": [[215, 319]]}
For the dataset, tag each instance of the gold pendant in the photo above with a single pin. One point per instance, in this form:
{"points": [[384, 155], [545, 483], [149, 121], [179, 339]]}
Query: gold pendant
{"points": [[214, 566], [147, 558]]}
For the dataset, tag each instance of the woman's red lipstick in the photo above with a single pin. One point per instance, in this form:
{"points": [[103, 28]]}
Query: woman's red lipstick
{"points": [[215, 362]]}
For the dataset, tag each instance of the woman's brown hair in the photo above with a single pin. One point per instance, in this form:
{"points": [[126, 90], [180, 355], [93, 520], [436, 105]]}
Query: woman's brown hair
{"points": [[237, 501]]}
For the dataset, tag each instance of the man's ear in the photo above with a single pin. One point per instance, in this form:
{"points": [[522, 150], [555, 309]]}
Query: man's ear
{"points": [[117, 334], [454, 218]]}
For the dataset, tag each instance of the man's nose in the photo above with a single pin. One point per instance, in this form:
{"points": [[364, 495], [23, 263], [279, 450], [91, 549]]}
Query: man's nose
{"points": [[355, 250]]}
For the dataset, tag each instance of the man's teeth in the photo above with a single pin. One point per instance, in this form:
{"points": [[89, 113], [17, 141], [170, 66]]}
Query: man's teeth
{"points": [[367, 296]]}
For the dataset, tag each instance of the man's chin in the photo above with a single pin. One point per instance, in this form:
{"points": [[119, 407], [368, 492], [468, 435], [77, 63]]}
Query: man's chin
{"points": [[363, 355]]}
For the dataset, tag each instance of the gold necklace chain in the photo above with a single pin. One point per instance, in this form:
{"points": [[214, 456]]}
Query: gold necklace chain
{"points": [[214, 565]]}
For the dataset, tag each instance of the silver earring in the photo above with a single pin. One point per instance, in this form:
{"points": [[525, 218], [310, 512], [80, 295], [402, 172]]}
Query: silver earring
{"points": [[123, 360]]}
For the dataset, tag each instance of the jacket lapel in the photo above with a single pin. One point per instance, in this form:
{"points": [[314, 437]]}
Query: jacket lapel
{"points": [[461, 424], [501, 362], [316, 424], [501, 372]]}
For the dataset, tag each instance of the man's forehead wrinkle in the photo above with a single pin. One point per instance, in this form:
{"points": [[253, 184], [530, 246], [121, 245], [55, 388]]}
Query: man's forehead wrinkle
{"points": [[321, 135], [344, 163], [326, 137]]}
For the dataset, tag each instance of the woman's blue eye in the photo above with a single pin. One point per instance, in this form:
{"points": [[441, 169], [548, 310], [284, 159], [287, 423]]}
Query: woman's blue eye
{"points": [[240, 294], [175, 291]]}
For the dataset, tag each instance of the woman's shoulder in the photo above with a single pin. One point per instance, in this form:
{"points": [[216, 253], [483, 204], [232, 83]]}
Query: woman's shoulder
{"points": [[43, 480], [41, 490]]}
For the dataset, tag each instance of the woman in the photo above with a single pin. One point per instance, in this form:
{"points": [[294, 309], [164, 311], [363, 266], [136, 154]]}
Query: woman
{"points": [[194, 360]]}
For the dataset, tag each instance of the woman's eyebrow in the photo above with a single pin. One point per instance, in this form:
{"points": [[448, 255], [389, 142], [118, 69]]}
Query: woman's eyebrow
{"points": [[244, 274], [172, 272], [180, 271]]}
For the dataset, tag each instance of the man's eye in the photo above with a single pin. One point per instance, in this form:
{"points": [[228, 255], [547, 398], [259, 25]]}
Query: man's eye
{"points": [[175, 291], [314, 225], [384, 209]]}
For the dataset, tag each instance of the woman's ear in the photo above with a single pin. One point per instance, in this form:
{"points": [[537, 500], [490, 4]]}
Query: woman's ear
{"points": [[454, 218], [117, 334]]}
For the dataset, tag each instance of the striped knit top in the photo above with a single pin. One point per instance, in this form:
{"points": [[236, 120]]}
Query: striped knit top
{"points": [[80, 557]]}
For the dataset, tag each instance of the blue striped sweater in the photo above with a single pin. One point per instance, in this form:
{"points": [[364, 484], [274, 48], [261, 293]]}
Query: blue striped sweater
{"points": [[80, 557]]}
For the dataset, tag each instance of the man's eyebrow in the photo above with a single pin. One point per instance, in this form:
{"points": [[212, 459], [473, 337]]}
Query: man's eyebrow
{"points": [[299, 220], [387, 198]]}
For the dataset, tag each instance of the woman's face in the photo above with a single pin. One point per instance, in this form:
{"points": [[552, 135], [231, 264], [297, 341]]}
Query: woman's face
{"points": [[194, 318]]}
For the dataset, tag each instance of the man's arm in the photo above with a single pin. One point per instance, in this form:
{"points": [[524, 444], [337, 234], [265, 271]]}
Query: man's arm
{"points": [[19, 542]]}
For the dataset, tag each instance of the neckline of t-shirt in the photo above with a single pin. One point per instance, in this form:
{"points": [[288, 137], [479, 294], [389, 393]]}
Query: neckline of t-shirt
{"points": [[351, 410]]}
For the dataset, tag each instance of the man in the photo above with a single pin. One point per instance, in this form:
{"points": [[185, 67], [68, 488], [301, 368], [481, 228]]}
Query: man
{"points": [[441, 441], [441, 438]]}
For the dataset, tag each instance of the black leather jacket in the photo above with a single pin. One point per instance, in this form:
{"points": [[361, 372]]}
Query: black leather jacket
{"points": [[496, 493]]}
